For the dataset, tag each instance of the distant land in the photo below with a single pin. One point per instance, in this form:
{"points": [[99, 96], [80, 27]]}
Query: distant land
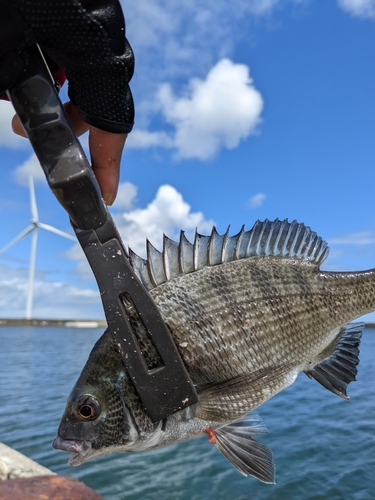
{"points": [[73, 323]]}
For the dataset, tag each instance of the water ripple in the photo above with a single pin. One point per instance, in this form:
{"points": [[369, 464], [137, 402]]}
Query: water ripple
{"points": [[324, 447]]}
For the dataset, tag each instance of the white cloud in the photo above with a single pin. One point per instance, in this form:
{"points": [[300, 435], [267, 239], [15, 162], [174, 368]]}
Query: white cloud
{"points": [[7, 137], [126, 195], [167, 213], [83, 268], [30, 167], [361, 238], [51, 299], [257, 200], [359, 8], [143, 139], [217, 112], [169, 32], [175, 41]]}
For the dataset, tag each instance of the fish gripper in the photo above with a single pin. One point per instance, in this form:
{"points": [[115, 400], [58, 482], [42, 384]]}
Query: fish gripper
{"points": [[166, 388]]}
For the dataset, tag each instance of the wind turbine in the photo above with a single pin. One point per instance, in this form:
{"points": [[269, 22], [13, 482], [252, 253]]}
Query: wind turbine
{"points": [[33, 229]]}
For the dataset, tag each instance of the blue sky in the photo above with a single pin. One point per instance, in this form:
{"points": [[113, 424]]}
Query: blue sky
{"points": [[245, 110]]}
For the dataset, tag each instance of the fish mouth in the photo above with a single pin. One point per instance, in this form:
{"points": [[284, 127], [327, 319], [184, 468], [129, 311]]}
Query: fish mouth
{"points": [[80, 450]]}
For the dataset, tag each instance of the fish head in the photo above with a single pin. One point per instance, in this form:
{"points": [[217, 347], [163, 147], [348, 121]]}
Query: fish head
{"points": [[103, 413]]}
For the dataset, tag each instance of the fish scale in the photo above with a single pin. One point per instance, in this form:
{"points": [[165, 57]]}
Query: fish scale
{"points": [[248, 313], [212, 306], [260, 302]]}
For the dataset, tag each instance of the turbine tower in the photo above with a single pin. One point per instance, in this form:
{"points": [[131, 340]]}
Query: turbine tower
{"points": [[33, 229]]}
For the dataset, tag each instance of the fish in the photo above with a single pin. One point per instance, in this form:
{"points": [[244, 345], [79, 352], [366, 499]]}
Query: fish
{"points": [[248, 314]]}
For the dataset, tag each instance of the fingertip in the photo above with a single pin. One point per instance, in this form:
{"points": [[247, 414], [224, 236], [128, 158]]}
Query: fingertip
{"points": [[106, 149], [109, 198], [17, 126]]}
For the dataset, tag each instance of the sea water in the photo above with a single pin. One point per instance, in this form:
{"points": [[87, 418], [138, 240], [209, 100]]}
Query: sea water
{"points": [[324, 447]]}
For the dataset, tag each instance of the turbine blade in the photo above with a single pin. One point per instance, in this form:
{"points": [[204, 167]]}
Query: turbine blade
{"points": [[33, 207], [52, 229], [24, 233]]}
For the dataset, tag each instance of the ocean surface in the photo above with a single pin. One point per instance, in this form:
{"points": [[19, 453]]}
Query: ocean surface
{"points": [[324, 447]]}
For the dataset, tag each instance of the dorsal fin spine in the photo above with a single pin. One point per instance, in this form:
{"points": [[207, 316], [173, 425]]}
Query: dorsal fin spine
{"points": [[200, 252], [258, 245], [305, 234], [185, 254], [212, 247], [238, 243], [301, 250], [278, 236], [310, 245], [268, 249], [170, 258], [252, 236], [195, 250], [314, 245], [320, 254], [155, 262], [295, 239], [225, 244], [281, 239], [285, 248], [166, 259], [149, 264]]}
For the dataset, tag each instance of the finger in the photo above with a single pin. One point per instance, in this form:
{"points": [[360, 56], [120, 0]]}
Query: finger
{"points": [[79, 126], [106, 150], [17, 127]]}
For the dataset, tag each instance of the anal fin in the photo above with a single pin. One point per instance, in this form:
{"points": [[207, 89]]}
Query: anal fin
{"points": [[337, 370], [247, 455]]}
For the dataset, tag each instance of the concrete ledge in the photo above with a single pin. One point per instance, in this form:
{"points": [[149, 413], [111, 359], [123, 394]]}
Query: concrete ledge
{"points": [[23, 479], [13, 464]]}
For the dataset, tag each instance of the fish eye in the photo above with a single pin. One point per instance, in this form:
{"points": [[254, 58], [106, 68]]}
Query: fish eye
{"points": [[88, 408]]}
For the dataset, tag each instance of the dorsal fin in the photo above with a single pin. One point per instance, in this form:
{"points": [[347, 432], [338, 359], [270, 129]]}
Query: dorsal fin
{"points": [[282, 239]]}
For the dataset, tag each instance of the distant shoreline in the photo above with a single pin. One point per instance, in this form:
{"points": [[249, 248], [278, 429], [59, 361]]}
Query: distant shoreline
{"points": [[75, 323]]}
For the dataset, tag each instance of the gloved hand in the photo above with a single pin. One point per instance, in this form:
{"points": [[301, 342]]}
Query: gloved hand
{"points": [[86, 39]]}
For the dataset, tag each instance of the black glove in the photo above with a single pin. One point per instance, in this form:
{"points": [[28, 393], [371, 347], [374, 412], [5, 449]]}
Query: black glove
{"points": [[86, 39]]}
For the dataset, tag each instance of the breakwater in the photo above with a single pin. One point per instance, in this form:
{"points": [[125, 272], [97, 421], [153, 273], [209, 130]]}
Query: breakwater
{"points": [[71, 323]]}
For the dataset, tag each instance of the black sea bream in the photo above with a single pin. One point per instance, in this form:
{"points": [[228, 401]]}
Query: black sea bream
{"points": [[248, 313]]}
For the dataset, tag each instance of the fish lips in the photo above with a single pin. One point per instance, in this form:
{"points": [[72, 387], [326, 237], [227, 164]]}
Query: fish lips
{"points": [[80, 450]]}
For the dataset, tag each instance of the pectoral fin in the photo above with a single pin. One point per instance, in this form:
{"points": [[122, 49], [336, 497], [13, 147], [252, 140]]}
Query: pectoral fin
{"points": [[250, 457], [233, 399], [337, 370]]}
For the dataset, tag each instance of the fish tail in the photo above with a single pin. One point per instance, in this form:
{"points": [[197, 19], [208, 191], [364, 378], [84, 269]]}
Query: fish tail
{"points": [[250, 457]]}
